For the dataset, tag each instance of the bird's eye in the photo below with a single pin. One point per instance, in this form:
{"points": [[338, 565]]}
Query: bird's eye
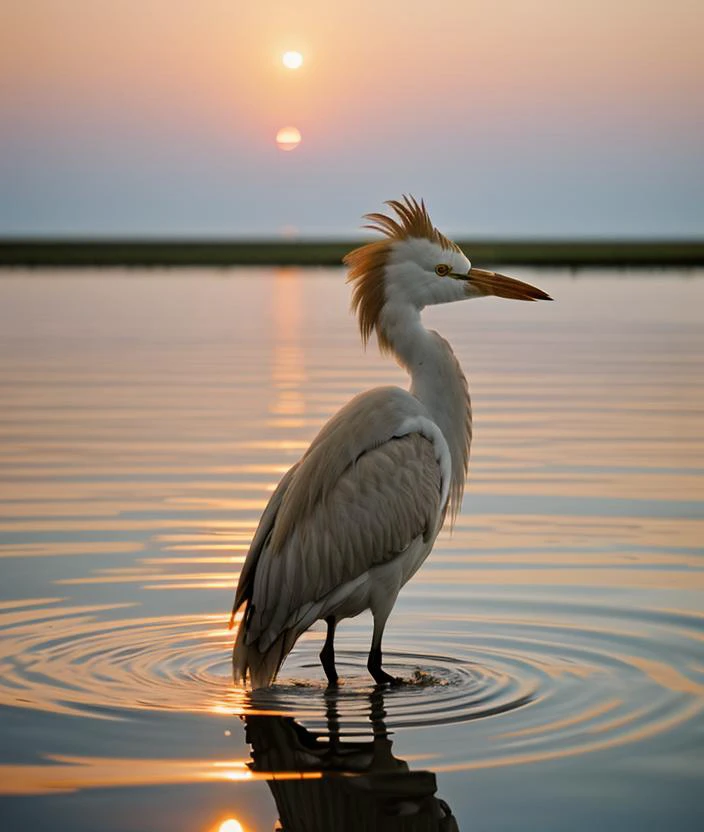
{"points": [[441, 270]]}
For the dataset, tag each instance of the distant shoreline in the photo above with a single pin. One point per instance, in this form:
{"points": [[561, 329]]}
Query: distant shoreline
{"points": [[188, 253]]}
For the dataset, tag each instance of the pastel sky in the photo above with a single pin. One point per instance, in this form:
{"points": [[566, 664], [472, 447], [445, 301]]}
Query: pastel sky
{"points": [[524, 118]]}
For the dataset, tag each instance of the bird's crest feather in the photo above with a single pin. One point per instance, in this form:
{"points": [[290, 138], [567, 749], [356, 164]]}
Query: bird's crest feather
{"points": [[367, 263]]}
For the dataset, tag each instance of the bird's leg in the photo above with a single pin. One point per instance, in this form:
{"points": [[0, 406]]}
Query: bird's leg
{"points": [[327, 654], [381, 677]]}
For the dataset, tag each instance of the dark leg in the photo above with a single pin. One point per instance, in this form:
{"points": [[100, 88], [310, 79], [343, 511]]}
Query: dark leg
{"points": [[381, 677], [327, 654]]}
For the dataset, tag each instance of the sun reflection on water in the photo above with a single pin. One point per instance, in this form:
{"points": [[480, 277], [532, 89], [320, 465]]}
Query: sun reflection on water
{"points": [[231, 825]]}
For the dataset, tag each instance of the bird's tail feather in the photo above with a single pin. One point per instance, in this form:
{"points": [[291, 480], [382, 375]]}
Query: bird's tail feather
{"points": [[261, 666]]}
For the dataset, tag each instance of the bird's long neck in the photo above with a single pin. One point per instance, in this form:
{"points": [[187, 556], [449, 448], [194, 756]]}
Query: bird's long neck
{"points": [[437, 380]]}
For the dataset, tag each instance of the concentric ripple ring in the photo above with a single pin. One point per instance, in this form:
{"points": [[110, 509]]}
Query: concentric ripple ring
{"points": [[535, 692]]}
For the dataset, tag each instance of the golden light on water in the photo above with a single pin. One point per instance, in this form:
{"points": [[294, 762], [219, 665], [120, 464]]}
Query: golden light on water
{"points": [[231, 825], [292, 60], [288, 138], [288, 370], [580, 584]]}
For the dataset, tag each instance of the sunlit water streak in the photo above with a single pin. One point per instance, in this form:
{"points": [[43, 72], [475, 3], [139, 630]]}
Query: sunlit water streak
{"points": [[145, 422]]}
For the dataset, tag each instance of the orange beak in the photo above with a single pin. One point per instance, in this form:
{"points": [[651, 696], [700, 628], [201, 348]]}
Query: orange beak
{"points": [[491, 283]]}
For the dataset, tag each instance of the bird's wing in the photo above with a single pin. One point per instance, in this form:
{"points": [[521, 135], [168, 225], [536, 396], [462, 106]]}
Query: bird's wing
{"points": [[364, 423], [374, 480], [266, 523]]}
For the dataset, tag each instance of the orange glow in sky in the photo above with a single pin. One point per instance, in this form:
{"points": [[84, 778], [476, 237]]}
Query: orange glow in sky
{"points": [[583, 117]]}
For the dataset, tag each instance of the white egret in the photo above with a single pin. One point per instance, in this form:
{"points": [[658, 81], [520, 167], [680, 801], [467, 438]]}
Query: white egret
{"points": [[352, 521]]}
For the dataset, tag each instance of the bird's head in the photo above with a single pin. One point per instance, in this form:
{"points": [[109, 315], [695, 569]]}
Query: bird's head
{"points": [[416, 265]]}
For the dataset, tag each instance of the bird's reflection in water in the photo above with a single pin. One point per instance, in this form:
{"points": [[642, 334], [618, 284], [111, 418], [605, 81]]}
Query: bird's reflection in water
{"points": [[362, 785]]}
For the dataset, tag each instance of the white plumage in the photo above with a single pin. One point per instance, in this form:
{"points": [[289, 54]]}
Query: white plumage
{"points": [[351, 522]]}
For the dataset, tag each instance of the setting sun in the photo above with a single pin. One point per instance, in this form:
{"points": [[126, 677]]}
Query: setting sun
{"points": [[288, 138], [292, 60]]}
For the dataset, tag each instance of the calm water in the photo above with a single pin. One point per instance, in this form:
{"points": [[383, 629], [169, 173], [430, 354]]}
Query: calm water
{"points": [[554, 640]]}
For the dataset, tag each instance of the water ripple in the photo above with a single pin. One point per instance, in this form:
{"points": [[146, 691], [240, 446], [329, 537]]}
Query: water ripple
{"points": [[537, 691]]}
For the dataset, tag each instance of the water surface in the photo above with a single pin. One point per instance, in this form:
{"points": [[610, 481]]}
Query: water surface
{"points": [[553, 642]]}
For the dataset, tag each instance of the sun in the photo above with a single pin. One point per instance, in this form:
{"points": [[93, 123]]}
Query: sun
{"points": [[288, 138], [292, 60]]}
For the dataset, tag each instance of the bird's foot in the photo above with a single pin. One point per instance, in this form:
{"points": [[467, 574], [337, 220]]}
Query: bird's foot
{"points": [[381, 677]]}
